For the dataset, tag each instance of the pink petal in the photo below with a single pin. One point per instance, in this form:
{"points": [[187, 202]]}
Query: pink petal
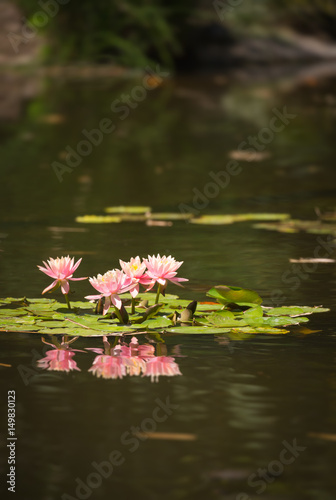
{"points": [[47, 272], [78, 279], [176, 280], [65, 287], [53, 284], [106, 305], [93, 297], [151, 284], [170, 275], [134, 292], [145, 280], [116, 301], [76, 266]]}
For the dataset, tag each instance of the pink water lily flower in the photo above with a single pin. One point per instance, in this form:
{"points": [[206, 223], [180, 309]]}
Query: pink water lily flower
{"points": [[162, 269], [135, 269], [111, 285], [61, 269]]}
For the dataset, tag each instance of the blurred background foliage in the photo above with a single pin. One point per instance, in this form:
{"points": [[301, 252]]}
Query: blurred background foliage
{"points": [[127, 31], [308, 16], [134, 33]]}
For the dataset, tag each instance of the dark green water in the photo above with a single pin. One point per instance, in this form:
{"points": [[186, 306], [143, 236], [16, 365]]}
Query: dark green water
{"points": [[241, 400]]}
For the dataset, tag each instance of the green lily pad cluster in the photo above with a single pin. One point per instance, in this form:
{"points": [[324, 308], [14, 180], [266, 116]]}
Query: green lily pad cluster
{"points": [[145, 214], [236, 311], [280, 222], [296, 226], [131, 214]]}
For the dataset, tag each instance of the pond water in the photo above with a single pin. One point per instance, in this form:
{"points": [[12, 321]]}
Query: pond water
{"points": [[245, 419]]}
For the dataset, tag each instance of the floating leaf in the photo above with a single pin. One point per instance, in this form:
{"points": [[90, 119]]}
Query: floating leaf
{"points": [[234, 294], [256, 330], [82, 305], [127, 210], [81, 332], [293, 310], [51, 324], [208, 307], [253, 313], [171, 216], [198, 330], [160, 322], [97, 219], [276, 321], [230, 219], [225, 320], [312, 261], [12, 312], [133, 218], [47, 316], [15, 327], [281, 228], [168, 298], [296, 225]]}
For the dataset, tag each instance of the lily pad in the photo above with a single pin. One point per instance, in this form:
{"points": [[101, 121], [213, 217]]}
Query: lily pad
{"points": [[262, 329], [160, 322], [281, 228], [80, 332], [11, 312], [234, 294], [223, 320], [294, 310], [253, 313], [208, 307], [127, 210], [133, 218], [16, 327], [231, 219], [46, 316], [296, 225], [197, 330], [171, 216], [97, 219]]}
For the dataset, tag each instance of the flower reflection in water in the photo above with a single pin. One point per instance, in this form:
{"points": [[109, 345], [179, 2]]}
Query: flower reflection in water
{"points": [[60, 357], [132, 359], [113, 361], [161, 365]]}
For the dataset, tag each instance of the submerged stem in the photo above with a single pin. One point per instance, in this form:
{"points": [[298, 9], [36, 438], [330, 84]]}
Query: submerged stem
{"points": [[158, 294]]}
